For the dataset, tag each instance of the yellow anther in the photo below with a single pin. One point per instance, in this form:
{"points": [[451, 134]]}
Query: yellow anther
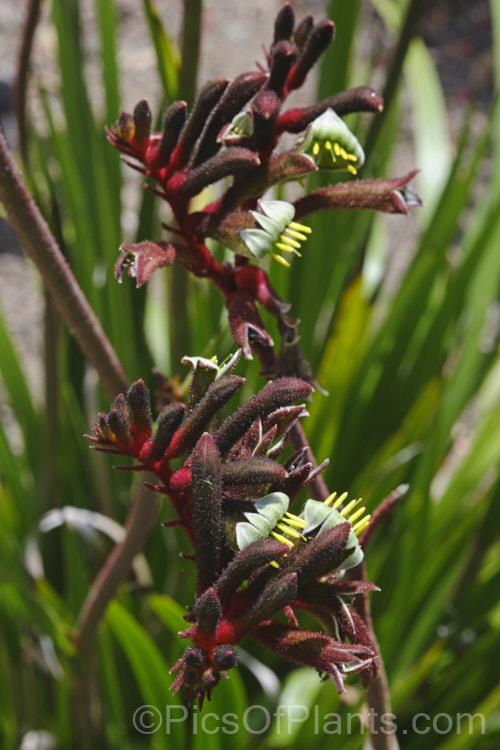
{"points": [[316, 148], [281, 538], [274, 564], [292, 520], [328, 145], [345, 511], [351, 169], [340, 500], [337, 149], [297, 235], [330, 498], [280, 259], [359, 512], [289, 241], [361, 525], [344, 154], [300, 227], [287, 249], [351, 157], [286, 530]]}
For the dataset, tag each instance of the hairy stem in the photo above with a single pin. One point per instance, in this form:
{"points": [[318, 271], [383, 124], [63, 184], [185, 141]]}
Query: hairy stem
{"points": [[378, 696], [58, 278], [21, 84], [114, 571]]}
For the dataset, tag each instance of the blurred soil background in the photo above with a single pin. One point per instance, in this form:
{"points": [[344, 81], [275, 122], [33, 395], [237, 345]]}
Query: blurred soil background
{"points": [[457, 32]]}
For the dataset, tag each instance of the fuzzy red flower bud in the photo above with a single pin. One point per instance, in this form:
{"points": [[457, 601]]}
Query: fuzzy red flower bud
{"points": [[301, 33], [206, 491], [265, 108], [205, 102], [277, 594], [208, 612], [252, 557], [361, 99], [237, 94], [284, 23], [283, 56], [173, 122], [321, 554], [317, 42], [168, 421], [391, 196], [231, 161], [140, 410], [274, 395], [252, 471], [142, 124], [215, 398]]}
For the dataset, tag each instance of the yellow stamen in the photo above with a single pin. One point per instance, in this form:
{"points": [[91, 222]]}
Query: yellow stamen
{"points": [[274, 564], [337, 149], [345, 511], [328, 145], [330, 498], [316, 148], [300, 227], [292, 520], [351, 157], [361, 525], [340, 500], [281, 538], [287, 249], [289, 241], [351, 169], [280, 259], [344, 154], [297, 235], [287, 530], [359, 512]]}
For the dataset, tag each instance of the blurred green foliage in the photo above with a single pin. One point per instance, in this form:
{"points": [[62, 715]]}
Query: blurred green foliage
{"points": [[413, 375]]}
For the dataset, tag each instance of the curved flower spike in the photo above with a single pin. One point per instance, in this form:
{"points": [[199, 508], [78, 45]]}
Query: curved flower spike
{"points": [[331, 144], [278, 231]]}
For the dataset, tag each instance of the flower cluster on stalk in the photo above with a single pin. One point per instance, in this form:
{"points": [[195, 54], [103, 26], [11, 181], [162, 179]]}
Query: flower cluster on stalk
{"points": [[233, 134], [230, 478]]}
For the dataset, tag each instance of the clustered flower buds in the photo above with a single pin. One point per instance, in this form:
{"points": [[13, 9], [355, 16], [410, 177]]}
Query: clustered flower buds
{"points": [[254, 558], [232, 133]]}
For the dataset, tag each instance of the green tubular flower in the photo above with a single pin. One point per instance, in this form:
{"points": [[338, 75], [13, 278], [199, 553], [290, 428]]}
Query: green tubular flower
{"points": [[327, 515], [331, 144], [278, 231], [241, 126], [273, 519]]}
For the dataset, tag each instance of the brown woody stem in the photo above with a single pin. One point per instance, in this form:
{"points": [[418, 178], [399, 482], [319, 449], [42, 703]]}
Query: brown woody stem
{"points": [[21, 84], [115, 569], [58, 278]]}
